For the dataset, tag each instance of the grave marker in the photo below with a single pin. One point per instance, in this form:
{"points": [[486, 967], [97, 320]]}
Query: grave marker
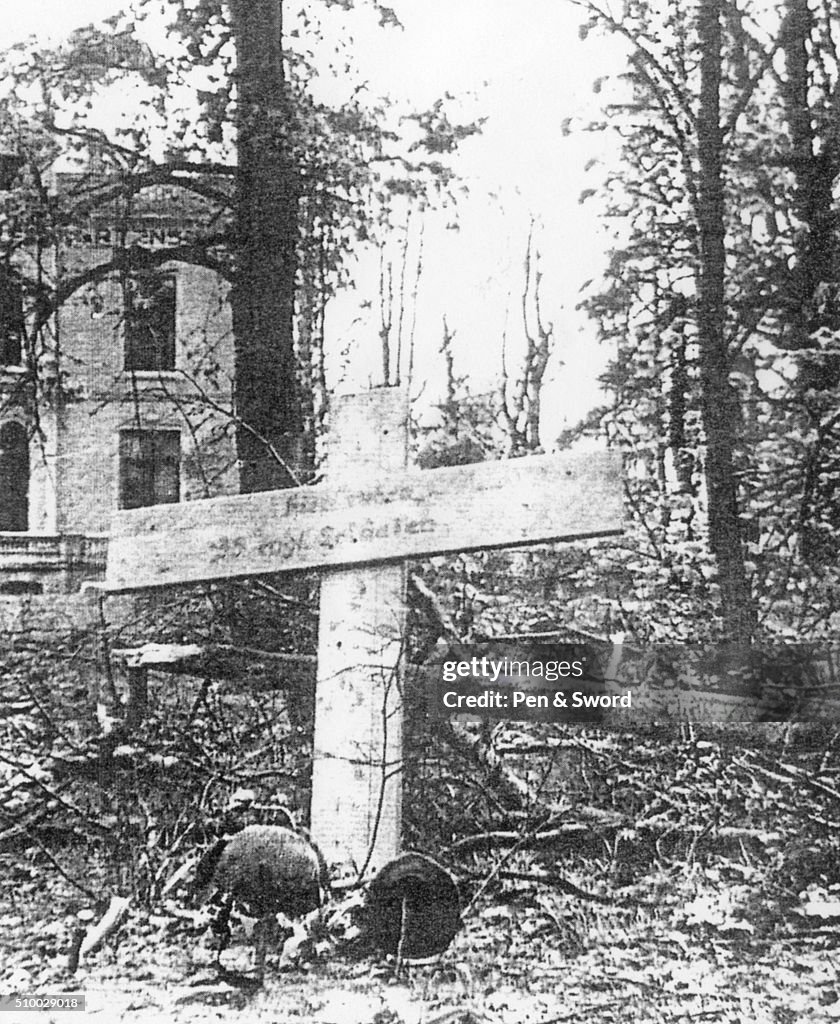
{"points": [[360, 527]]}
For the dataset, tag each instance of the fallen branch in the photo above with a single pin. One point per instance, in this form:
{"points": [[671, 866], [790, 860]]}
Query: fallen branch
{"points": [[637, 832], [108, 924], [477, 750], [563, 833], [815, 784], [557, 881]]}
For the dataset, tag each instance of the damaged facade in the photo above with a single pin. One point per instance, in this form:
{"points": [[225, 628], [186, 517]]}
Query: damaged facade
{"points": [[122, 399]]}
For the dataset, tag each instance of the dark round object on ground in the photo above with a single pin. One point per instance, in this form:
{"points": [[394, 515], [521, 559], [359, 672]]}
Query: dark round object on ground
{"points": [[271, 869], [414, 899], [267, 870]]}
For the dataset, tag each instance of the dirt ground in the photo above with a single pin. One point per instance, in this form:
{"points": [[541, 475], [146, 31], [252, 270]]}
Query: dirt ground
{"points": [[525, 956]]}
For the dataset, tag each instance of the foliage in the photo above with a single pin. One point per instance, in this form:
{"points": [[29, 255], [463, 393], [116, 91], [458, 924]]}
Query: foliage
{"points": [[506, 422], [706, 861], [242, 148], [139, 786], [776, 151]]}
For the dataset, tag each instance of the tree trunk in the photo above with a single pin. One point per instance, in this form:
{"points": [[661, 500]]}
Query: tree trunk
{"points": [[718, 403], [812, 299], [814, 162], [678, 405], [266, 391]]}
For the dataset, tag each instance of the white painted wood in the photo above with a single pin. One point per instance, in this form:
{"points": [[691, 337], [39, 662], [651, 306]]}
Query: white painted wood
{"points": [[370, 516], [357, 758], [361, 519]]}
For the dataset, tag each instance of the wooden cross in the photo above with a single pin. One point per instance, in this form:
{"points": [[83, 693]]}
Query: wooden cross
{"points": [[360, 527]]}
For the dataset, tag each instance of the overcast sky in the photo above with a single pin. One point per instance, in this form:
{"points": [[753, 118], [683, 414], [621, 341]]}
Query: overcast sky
{"points": [[521, 65]]}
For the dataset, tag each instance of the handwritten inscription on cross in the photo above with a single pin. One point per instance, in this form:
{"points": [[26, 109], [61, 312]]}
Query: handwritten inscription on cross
{"points": [[359, 528]]}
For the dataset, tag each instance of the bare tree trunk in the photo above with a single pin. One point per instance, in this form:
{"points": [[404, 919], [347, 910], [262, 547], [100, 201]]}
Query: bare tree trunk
{"points": [[521, 402], [719, 405], [812, 299], [266, 390], [677, 410], [815, 168]]}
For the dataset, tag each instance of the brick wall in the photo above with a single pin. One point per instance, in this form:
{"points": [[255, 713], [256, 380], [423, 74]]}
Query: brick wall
{"points": [[40, 616], [103, 400], [74, 452]]}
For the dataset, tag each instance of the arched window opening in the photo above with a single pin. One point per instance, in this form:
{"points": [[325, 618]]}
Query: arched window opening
{"points": [[14, 478], [150, 321], [11, 318]]}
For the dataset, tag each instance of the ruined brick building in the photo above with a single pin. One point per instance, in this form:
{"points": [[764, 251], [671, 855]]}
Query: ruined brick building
{"points": [[123, 401]]}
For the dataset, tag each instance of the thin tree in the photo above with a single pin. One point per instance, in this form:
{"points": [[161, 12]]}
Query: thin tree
{"points": [[281, 176], [670, 298], [268, 187], [718, 400]]}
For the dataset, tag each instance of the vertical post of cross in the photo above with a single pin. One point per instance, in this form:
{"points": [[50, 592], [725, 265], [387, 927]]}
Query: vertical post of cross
{"points": [[357, 755]]}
